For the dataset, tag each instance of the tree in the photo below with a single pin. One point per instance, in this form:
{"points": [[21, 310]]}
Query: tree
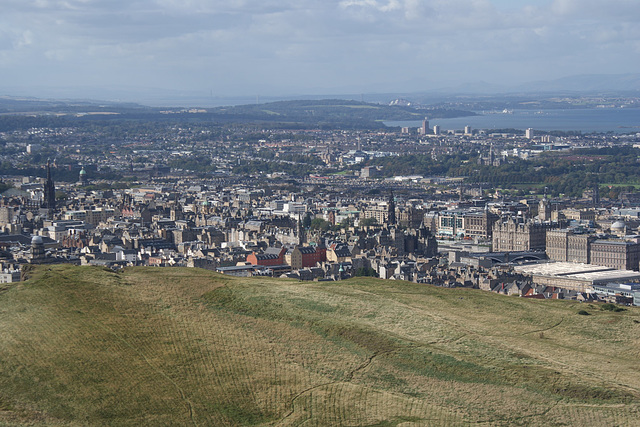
{"points": [[306, 221], [347, 222], [366, 271], [320, 224], [4, 186], [368, 222]]}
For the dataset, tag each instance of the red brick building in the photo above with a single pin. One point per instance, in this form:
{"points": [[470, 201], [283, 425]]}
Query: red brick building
{"points": [[272, 256], [307, 256]]}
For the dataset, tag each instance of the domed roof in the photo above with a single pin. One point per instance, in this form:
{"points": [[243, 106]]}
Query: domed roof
{"points": [[37, 240], [83, 172], [618, 225]]}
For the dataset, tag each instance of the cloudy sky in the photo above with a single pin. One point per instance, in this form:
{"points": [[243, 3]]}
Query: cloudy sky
{"points": [[284, 47]]}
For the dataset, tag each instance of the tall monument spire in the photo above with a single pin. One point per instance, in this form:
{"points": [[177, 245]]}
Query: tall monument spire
{"points": [[49, 192], [391, 213]]}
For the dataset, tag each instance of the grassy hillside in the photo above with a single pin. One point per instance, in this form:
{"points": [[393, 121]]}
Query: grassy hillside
{"points": [[85, 346]]}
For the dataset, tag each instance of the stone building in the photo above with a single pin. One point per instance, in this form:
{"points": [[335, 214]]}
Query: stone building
{"points": [[378, 212], [465, 222], [479, 224], [490, 159], [410, 217], [419, 241], [519, 235], [618, 254], [568, 246], [6, 215], [579, 214], [544, 209]]}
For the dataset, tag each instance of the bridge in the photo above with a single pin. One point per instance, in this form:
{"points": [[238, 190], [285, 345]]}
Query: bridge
{"points": [[506, 257]]}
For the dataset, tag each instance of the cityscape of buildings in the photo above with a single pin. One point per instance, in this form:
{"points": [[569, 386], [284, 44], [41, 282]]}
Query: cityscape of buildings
{"points": [[296, 220]]}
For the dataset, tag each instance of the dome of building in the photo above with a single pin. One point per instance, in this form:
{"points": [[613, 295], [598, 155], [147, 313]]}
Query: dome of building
{"points": [[37, 249], [618, 225], [83, 179]]}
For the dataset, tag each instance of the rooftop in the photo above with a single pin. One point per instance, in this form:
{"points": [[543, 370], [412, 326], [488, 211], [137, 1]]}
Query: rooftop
{"points": [[579, 272]]}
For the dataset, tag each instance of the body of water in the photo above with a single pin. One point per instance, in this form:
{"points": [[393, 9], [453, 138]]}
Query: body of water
{"points": [[618, 120]]}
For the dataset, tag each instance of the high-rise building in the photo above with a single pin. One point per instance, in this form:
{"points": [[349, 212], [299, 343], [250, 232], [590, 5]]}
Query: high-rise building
{"points": [[436, 130], [467, 130], [528, 133], [368, 172], [424, 130]]}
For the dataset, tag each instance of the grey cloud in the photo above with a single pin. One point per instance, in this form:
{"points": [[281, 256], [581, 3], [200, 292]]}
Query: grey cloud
{"points": [[296, 44], [625, 10]]}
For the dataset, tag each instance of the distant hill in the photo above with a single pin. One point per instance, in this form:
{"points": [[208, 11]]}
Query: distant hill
{"points": [[334, 113], [577, 84], [164, 98], [587, 83], [10, 104], [160, 346], [325, 114], [481, 91]]}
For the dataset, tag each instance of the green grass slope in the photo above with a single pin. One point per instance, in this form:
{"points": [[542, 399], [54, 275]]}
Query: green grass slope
{"points": [[86, 346]]}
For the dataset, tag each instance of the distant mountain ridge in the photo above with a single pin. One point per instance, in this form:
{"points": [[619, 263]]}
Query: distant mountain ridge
{"points": [[583, 83], [168, 98], [586, 83], [325, 114]]}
